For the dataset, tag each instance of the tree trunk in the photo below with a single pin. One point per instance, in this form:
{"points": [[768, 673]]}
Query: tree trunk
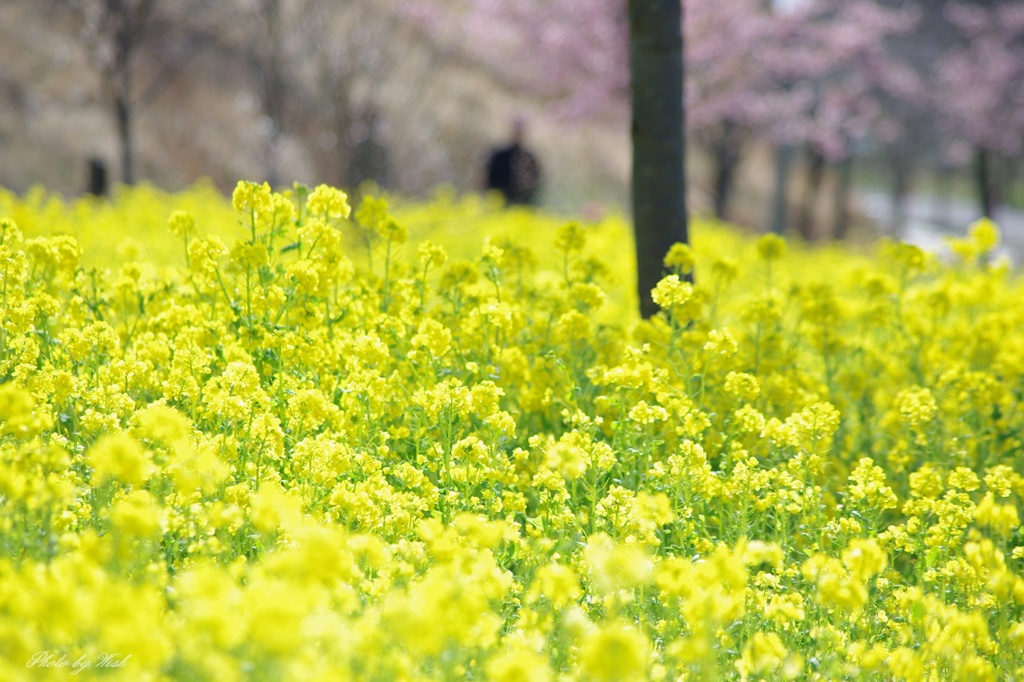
{"points": [[844, 182], [942, 204], [1008, 179], [783, 162], [123, 116], [726, 160], [900, 190], [659, 147], [273, 87], [987, 181], [983, 176], [129, 26], [121, 81], [815, 174]]}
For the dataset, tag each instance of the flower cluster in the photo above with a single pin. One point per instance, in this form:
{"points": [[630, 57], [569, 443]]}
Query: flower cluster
{"points": [[318, 441]]}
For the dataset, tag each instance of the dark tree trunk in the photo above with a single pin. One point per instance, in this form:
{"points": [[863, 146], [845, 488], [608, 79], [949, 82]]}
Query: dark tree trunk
{"points": [[726, 159], [844, 182], [942, 206], [783, 162], [343, 119], [1008, 178], [370, 159], [815, 174], [273, 87], [126, 24], [659, 147], [900, 190], [123, 116], [983, 175], [125, 41]]}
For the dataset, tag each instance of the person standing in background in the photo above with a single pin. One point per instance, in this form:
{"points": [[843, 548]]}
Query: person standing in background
{"points": [[513, 170]]}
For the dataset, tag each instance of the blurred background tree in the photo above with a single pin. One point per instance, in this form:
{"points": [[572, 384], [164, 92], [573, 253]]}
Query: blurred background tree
{"points": [[272, 89], [113, 32], [982, 110], [792, 104]]}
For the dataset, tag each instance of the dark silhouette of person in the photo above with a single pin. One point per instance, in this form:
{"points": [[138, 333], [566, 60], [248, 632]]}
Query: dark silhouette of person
{"points": [[98, 185], [513, 170]]}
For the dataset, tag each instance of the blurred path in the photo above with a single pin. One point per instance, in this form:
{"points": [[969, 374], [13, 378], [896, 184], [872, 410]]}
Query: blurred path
{"points": [[930, 219]]}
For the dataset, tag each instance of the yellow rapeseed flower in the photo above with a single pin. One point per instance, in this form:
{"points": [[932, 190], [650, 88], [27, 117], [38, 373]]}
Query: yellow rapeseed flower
{"points": [[137, 515], [616, 652], [121, 457]]}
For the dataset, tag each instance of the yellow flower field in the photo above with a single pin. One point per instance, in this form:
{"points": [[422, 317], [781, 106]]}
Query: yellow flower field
{"points": [[280, 438]]}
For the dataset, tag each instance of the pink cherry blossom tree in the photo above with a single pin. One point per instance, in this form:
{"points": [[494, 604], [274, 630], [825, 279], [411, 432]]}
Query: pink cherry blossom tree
{"points": [[819, 77], [822, 77], [844, 84], [985, 76], [730, 93], [574, 54]]}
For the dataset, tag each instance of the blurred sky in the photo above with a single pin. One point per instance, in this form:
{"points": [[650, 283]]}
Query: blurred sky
{"points": [[787, 5]]}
